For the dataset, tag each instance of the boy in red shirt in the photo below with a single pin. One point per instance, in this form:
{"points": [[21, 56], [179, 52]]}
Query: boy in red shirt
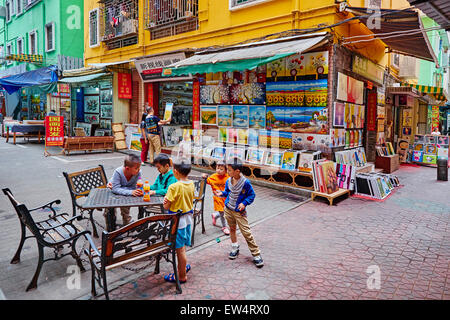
{"points": [[217, 182]]}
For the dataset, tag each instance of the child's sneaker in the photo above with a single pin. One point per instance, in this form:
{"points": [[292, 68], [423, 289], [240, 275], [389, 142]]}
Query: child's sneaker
{"points": [[258, 261], [234, 252], [226, 231]]}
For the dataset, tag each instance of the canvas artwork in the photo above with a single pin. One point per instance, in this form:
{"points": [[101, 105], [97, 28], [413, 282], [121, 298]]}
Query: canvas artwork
{"points": [[418, 147], [274, 158], [337, 137], [407, 121], [417, 156], [406, 131], [86, 126], [350, 89], [252, 139], [106, 111], [105, 124], [276, 68], [443, 140], [329, 176], [430, 149], [240, 116], [235, 153], [338, 114], [208, 114], [305, 93], [168, 110], [232, 135], [429, 159], [257, 117], [430, 139], [281, 139], [242, 136], [442, 152], [222, 132], [249, 93], [289, 161], [219, 153], [136, 142], [172, 135], [91, 118], [264, 138], [255, 155], [106, 96], [214, 94], [296, 119], [91, 104], [225, 116]]}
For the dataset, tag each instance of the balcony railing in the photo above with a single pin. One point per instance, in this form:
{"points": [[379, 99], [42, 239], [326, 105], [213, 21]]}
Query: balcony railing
{"points": [[119, 23], [170, 17]]}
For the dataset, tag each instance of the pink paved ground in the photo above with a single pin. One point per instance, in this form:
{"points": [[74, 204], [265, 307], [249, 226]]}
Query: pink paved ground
{"points": [[318, 251]]}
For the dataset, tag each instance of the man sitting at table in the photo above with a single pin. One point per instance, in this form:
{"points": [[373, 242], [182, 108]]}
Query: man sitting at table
{"points": [[124, 181]]}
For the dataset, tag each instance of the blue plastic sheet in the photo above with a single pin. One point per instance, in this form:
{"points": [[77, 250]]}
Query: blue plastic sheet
{"points": [[28, 79]]}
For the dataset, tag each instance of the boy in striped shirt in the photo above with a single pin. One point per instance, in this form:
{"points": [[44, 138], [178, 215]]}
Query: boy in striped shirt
{"points": [[239, 194]]}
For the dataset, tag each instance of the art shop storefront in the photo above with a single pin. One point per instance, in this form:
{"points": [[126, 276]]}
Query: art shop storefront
{"points": [[91, 101], [164, 93], [270, 109]]}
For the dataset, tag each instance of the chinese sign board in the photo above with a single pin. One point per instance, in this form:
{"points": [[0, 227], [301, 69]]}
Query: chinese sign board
{"points": [[63, 91], [196, 105], [372, 111], [152, 68], [125, 86], [368, 69], [54, 131]]}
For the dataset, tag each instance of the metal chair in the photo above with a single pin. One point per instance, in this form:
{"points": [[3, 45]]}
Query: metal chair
{"points": [[199, 203], [54, 232], [80, 183]]}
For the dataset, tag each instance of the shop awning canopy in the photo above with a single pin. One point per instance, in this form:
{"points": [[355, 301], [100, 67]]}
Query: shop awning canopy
{"points": [[402, 31], [246, 56], [435, 92], [438, 10], [33, 78], [83, 78]]}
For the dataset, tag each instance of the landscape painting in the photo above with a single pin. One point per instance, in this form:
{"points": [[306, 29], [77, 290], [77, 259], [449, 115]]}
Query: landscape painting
{"points": [[225, 116], [240, 116], [300, 119], [209, 114], [257, 117]]}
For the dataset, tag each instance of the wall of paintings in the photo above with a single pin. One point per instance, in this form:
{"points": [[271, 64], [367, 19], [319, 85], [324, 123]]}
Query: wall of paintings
{"points": [[348, 114], [428, 148], [98, 107], [271, 106]]}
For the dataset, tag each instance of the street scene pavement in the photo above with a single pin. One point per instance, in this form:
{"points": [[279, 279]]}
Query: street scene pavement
{"points": [[398, 248]]}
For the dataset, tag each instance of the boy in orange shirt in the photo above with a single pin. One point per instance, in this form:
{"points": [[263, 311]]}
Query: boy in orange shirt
{"points": [[217, 182]]}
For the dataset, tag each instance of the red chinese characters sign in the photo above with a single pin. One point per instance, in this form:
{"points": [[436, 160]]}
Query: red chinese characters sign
{"points": [[196, 105], [54, 131], [125, 86], [434, 117], [372, 111]]}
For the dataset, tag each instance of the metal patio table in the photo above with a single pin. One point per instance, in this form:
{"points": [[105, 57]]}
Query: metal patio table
{"points": [[104, 198]]}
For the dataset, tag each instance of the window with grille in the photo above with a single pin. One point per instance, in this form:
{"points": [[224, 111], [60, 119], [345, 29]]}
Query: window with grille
{"points": [[50, 37], [8, 11], [170, 17], [236, 4], [9, 52], [19, 6], [93, 28], [32, 42], [20, 46]]}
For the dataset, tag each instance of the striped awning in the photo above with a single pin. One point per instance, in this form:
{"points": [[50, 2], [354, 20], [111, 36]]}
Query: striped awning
{"points": [[435, 92]]}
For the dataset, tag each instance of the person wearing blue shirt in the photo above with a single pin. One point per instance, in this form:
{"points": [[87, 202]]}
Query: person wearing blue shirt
{"points": [[152, 130]]}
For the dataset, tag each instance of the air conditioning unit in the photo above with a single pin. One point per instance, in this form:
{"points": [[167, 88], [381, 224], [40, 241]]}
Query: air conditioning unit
{"points": [[130, 26]]}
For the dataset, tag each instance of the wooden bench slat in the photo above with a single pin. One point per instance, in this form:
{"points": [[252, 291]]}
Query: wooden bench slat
{"points": [[119, 263]]}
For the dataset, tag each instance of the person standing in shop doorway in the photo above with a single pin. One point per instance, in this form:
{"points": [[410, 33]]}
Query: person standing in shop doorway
{"points": [[153, 131], [436, 132]]}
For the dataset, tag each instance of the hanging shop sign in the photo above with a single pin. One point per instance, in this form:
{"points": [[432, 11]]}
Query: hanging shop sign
{"points": [[63, 91], [372, 111], [196, 105], [434, 117], [54, 131], [152, 68], [368, 69], [125, 86]]}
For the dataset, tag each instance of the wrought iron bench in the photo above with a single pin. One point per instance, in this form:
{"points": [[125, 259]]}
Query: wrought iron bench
{"points": [[199, 203], [54, 232], [151, 237], [80, 183]]}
